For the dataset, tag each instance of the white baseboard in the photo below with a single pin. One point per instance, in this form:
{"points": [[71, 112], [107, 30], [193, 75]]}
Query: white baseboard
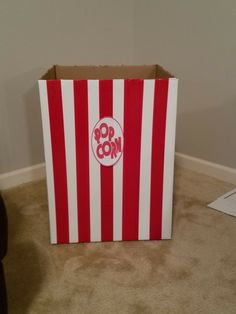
{"points": [[37, 172], [206, 167], [24, 175]]}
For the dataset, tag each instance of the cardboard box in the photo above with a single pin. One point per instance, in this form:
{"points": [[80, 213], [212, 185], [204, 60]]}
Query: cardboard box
{"points": [[109, 136]]}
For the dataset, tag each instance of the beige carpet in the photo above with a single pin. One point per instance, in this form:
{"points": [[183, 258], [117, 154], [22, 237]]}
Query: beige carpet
{"points": [[195, 272]]}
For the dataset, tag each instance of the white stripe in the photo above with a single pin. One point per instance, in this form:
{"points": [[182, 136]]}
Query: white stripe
{"points": [[69, 130], [94, 166], [169, 159], [118, 114], [145, 160], [48, 159]]}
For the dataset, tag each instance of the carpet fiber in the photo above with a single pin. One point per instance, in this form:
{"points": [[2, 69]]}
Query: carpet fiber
{"points": [[195, 272]]}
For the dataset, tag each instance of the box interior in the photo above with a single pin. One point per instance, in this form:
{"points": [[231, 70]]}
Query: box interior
{"points": [[60, 72]]}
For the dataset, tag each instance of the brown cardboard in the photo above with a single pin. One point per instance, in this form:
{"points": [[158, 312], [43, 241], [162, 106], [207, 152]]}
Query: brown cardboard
{"points": [[106, 72], [50, 74]]}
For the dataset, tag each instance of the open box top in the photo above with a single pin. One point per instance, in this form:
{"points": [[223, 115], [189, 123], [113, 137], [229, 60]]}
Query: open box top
{"points": [[107, 72]]}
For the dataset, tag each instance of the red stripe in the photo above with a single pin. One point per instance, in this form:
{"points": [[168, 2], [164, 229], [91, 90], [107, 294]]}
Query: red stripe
{"points": [[59, 159], [105, 103], [133, 99], [157, 166], [82, 158]]}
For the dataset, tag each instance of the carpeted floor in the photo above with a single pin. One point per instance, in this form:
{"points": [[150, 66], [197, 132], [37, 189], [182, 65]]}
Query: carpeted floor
{"points": [[195, 272]]}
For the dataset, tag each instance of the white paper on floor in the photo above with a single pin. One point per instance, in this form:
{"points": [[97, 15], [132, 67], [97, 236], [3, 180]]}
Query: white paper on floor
{"points": [[226, 203]]}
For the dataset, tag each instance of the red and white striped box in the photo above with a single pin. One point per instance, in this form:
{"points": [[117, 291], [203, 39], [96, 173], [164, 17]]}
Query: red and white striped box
{"points": [[109, 139]]}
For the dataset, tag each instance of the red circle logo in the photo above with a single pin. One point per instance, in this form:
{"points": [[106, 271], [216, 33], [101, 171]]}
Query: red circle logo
{"points": [[107, 141]]}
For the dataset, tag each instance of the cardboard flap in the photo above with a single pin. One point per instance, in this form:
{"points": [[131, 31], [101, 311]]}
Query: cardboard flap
{"points": [[50, 74], [106, 72]]}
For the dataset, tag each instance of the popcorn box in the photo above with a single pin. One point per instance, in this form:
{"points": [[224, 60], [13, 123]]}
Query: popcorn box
{"points": [[109, 139]]}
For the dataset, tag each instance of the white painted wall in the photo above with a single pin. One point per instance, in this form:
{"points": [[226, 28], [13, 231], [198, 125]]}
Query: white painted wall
{"points": [[194, 39], [37, 34]]}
